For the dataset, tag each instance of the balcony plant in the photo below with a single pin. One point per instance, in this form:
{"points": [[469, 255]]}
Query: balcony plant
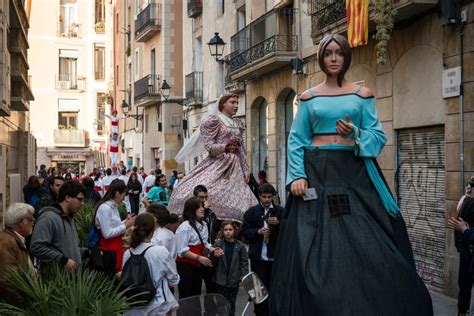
{"points": [[100, 27], [384, 13]]}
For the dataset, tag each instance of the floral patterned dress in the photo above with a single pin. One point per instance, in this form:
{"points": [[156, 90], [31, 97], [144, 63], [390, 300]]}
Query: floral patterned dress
{"points": [[220, 172]]}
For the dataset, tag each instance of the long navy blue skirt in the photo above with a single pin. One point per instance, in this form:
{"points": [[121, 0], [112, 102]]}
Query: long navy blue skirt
{"points": [[343, 254]]}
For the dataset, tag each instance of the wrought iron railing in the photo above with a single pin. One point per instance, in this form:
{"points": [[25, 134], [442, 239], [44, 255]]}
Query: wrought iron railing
{"points": [[325, 13], [146, 87], [150, 16], [194, 8], [273, 44], [194, 86]]}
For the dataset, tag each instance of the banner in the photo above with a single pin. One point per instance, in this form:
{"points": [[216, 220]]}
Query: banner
{"points": [[357, 12]]}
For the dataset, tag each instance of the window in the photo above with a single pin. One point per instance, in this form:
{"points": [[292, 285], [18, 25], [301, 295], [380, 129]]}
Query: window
{"points": [[117, 75], [100, 114], [99, 62], [99, 11], [68, 18], [116, 23], [220, 7], [68, 68], [137, 62], [67, 120], [262, 136]]}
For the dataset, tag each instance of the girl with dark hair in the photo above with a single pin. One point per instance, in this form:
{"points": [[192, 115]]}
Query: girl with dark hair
{"points": [[111, 227], [193, 248], [162, 235], [160, 263], [343, 248], [224, 172], [33, 191], [134, 190]]}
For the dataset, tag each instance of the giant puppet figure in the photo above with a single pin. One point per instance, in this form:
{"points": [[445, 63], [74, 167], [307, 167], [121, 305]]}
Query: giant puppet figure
{"points": [[224, 171], [343, 247]]}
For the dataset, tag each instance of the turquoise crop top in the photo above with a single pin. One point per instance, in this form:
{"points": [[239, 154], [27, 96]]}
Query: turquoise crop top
{"points": [[318, 115]]}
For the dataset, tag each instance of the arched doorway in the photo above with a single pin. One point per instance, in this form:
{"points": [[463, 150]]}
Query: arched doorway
{"points": [[287, 106]]}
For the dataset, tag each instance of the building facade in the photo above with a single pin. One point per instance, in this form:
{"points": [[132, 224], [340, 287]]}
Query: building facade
{"points": [[148, 53], [17, 145], [429, 154], [72, 61]]}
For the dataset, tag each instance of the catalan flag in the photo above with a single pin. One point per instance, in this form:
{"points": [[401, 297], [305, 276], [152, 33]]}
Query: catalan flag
{"points": [[357, 12]]}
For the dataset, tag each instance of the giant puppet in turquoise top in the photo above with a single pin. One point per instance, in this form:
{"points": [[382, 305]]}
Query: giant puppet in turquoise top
{"points": [[318, 115]]}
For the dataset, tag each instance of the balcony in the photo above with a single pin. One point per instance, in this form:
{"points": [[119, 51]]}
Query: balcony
{"points": [[329, 16], [147, 90], [194, 8], [21, 92], [69, 30], [148, 22], [69, 138], [263, 46], [70, 82], [194, 88]]}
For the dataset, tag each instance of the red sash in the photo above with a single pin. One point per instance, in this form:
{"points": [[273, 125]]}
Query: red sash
{"points": [[97, 188], [113, 149], [114, 123], [106, 187], [113, 244], [147, 189], [197, 249]]}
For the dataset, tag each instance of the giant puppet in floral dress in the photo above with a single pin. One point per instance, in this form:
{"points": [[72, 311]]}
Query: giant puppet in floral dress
{"points": [[224, 171]]}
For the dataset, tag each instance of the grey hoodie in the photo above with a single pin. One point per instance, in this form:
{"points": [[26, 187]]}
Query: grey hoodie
{"points": [[54, 237]]}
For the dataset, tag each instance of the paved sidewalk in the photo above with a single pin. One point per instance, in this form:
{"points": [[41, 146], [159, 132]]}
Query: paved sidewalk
{"points": [[443, 305]]}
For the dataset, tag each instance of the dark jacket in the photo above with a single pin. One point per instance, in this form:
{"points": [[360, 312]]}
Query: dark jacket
{"points": [[33, 196], [238, 268], [467, 214], [253, 221], [213, 224], [54, 237], [46, 199], [134, 186]]}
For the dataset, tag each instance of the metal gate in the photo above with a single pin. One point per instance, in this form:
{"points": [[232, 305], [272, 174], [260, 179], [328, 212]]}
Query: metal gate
{"points": [[421, 196]]}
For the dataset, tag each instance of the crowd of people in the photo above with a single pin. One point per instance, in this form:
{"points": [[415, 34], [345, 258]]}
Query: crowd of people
{"points": [[332, 250]]}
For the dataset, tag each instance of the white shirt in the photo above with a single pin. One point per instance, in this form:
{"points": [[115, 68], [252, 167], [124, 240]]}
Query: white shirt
{"points": [[163, 272], [107, 180], [124, 179], [108, 220], [149, 182], [264, 244], [165, 237], [186, 236]]}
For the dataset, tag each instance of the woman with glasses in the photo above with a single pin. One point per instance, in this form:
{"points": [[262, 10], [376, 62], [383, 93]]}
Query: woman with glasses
{"points": [[111, 227]]}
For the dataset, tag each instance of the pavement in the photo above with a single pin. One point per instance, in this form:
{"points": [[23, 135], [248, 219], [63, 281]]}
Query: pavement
{"points": [[443, 305]]}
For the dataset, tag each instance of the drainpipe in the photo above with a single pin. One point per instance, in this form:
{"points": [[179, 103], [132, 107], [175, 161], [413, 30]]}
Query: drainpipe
{"points": [[461, 109]]}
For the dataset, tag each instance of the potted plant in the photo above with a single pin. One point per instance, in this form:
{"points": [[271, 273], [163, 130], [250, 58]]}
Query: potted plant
{"points": [[100, 27]]}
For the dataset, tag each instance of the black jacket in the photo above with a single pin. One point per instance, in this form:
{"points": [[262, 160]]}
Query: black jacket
{"points": [[253, 221]]}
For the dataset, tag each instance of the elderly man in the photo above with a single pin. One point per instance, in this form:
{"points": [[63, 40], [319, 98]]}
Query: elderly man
{"points": [[55, 237], [13, 253]]}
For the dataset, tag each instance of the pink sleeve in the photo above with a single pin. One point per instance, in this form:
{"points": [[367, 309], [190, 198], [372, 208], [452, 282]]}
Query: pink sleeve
{"points": [[209, 131], [242, 156]]}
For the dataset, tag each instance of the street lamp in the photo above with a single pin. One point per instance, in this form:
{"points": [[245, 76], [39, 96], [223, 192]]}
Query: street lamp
{"points": [[126, 108], [216, 46], [165, 90]]}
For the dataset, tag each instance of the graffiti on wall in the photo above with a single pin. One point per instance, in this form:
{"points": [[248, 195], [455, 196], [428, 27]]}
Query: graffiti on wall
{"points": [[421, 196]]}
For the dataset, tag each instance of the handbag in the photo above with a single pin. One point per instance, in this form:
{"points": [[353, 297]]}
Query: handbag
{"points": [[205, 252]]}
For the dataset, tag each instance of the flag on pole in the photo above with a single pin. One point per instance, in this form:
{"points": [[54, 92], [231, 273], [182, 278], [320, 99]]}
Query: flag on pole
{"points": [[357, 12]]}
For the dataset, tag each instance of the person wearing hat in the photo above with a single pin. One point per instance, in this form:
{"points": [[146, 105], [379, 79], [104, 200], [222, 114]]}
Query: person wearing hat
{"points": [[114, 121]]}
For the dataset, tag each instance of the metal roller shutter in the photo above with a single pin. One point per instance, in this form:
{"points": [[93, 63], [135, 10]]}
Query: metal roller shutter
{"points": [[421, 196]]}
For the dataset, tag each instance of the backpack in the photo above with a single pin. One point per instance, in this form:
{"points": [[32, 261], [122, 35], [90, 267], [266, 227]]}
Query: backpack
{"points": [[136, 277], [94, 236]]}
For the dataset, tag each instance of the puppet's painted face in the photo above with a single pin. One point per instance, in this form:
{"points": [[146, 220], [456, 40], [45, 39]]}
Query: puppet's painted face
{"points": [[333, 58]]}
